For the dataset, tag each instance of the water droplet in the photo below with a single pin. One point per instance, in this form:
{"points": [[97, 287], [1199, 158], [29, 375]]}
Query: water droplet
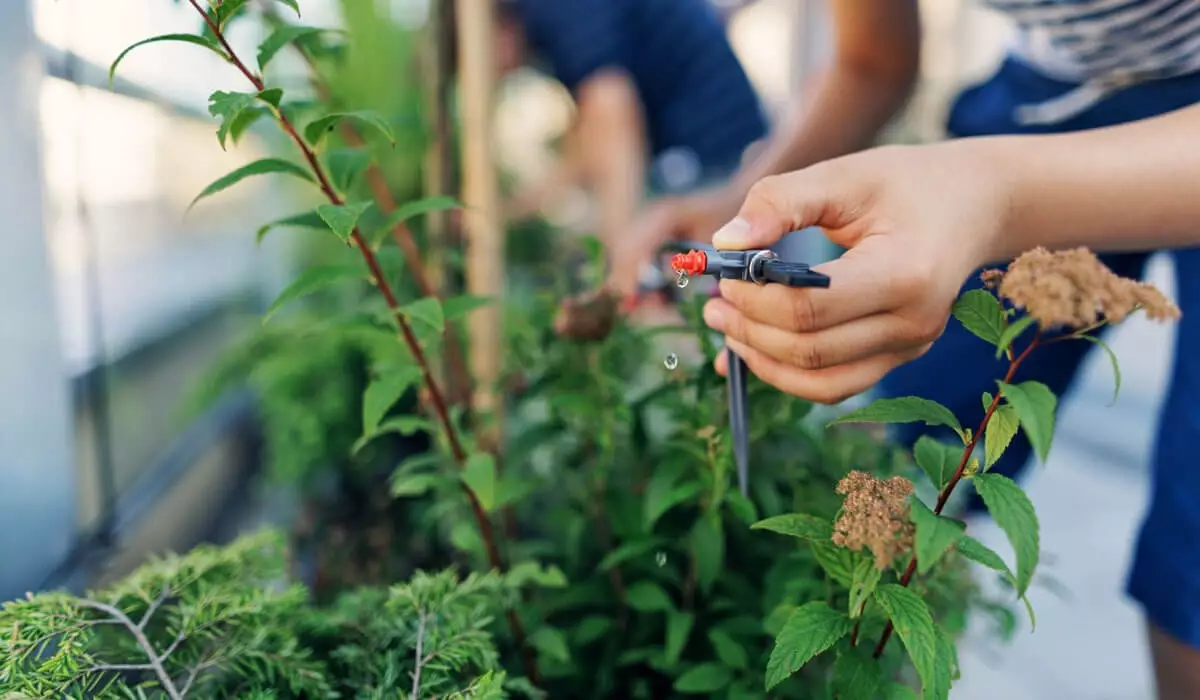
{"points": [[682, 280], [672, 361], [661, 559]]}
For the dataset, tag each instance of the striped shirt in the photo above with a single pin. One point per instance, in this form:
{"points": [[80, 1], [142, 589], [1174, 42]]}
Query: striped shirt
{"points": [[697, 99], [1104, 45]]}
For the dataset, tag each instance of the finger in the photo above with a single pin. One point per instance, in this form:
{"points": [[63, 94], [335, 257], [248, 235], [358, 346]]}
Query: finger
{"points": [[841, 344], [827, 386], [780, 204]]}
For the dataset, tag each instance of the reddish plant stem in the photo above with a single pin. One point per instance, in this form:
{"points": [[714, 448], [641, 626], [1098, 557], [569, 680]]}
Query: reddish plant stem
{"points": [[958, 475], [436, 398]]}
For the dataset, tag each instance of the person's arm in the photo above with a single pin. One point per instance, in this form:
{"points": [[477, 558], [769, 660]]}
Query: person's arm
{"points": [[876, 58]]}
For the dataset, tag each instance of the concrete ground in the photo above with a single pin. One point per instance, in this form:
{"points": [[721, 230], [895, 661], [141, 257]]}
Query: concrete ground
{"points": [[1089, 643]]}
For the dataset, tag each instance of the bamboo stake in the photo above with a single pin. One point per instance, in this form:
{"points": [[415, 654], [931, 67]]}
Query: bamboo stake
{"points": [[482, 224]]}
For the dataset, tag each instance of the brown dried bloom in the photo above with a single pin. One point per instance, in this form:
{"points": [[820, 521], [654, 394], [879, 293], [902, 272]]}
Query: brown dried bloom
{"points": [[1073, 289], [991, 278], [874, 516]]}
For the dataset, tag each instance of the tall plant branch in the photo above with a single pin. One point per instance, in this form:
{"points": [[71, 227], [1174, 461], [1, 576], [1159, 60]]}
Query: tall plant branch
{"points": [[434, 391], [944, 497], [154, 661]]}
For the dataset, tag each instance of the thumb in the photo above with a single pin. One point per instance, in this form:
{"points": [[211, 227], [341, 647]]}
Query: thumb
{"points": [[777, 205]]}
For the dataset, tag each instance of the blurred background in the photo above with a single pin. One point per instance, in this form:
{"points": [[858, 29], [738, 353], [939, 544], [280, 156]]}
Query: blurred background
{"points": [[114, 303]]}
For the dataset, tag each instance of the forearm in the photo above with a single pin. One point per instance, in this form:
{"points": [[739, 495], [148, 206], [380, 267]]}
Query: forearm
{"points": [[1130, 187], [849, 105], [612, 151]]}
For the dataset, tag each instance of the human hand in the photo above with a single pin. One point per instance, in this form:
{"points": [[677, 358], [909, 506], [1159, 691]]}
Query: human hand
{"points": [[916, 222]]}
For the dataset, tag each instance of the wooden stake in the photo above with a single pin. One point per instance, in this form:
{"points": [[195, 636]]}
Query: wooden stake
{"points": [[482, 219]]}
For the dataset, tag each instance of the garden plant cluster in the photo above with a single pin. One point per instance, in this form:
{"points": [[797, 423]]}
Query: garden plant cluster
{"points": [[598, 550]]}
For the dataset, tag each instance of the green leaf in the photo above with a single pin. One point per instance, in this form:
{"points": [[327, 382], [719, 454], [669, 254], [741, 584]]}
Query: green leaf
{"points": [[856, 677], [426, 311], [647, 596], [280, 38], [242, 122], [1013, 512], [1035, 405], [308, 219], [186, 38], [458, 306], [679, 626], [945, 664], [914, 625], [937, 459], [224, 11], [551, 643], [1001, 429], [412, 484], [342, 218], [405, 425], [346, 165], [663, 493], [976, 551], [310, 281], [262, 166], [292, 4], [631, 550], [810, 630], [742, 507], [836, 561], [904, 409], [591, 628], [898, 691], [383, 393], [419, 207], [705, 678], [862, 585], [934, 535], [708, 549], [229, 106], [1112, 357], [271, 96], [981, 313], [532, 572], [316, 129], [729, 651], [1015, 329], [801, 525], [479, 474]]}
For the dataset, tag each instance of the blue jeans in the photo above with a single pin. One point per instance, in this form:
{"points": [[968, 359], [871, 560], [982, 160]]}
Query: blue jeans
{"points": [[1165, 578]]}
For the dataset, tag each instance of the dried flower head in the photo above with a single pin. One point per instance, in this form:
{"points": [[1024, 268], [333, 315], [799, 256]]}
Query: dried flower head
{"points": [[1073, 289], [874, 516]]}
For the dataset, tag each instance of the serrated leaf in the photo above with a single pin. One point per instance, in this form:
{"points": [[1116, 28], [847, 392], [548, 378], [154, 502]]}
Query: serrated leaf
{"points": [[412, 484], [308, 219], [934, 534], [980, 312], [1112, 357], [977, 551], [914, 625], [897, 691], [679, 626], [945, 664], [837, 562], [1011, 333], [342, 218], [185, 38], [383, 393], [705, 678], [552, 643], [865, 577], [647, 596], [479, 474], [1001, 429], [458, 306], [1035, 405], [280, 38], [271, 96], [312, 280], [228, 107], [937, 459], [856, 677], [903, 409], [292, 4], [243, 121], [801, 525], [262, 166], [224, 11], [316, 129], [810, 630], [346, 165], [708, 550], [728, 650], [1013, 512], [427, 312]]}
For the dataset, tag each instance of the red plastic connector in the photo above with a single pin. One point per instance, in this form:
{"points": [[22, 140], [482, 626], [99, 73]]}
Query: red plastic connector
{"points": [[694, 262]]}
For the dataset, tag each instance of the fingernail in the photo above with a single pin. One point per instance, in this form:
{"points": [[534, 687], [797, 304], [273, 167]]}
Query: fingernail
{"points": [[712, 317], [735, 234]]}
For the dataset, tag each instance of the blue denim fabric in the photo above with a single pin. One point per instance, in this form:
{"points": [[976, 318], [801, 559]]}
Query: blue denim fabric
{"points": [[1165, 578]]}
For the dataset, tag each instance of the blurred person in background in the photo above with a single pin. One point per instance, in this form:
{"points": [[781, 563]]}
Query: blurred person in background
{"points": [[663, 106], [1073, 66]]}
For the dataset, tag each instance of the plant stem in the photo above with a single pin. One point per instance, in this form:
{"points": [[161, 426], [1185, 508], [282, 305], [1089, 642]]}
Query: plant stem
{"points": [[153, 659], [436, 398], [958, 475], [416, 686]]}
